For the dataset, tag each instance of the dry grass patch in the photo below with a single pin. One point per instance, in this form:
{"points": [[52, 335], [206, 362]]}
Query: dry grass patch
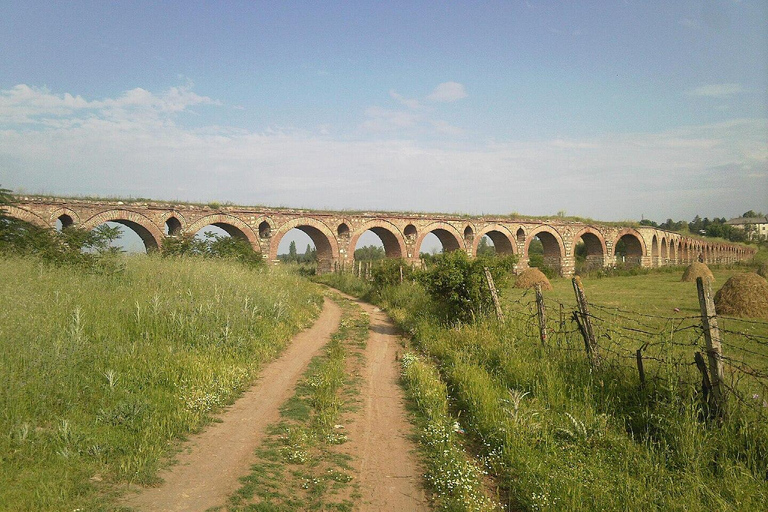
{"points": [[531, 277], [743, 295], [696, 270]]}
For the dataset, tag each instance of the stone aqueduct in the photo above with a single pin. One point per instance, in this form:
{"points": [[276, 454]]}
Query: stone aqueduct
{"points": [[335, 234]]}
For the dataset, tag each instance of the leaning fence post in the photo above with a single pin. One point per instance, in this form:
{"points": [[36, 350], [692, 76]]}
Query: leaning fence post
{"points": [[712, 338], [586, 323], [494, 295], [541, 312]]}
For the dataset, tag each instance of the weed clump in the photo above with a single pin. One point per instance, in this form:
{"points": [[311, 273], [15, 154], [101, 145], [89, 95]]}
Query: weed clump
{"points": [[743, 295], [763, 271], [697, 269], [531, 277]]}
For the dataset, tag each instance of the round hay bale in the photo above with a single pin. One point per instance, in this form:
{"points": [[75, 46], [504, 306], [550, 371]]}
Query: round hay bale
{"points": [[743, 295], [695, 270], [528, 278]]}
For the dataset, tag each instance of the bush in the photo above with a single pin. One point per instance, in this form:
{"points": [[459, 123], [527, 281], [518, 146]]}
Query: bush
{"points": [[457, 284], [213, 246]]}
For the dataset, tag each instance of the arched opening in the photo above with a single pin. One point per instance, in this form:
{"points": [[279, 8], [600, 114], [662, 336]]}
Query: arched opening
{"points": [[589, 252], [306, 235], [132, 238], [520, 236], [655, 252], [439, 240], [664, 252], [410, 231], [342, 230], [628, 251], [494, 241], [172, 226], [265, 230], [545, 252], [469, 234], [377, 242], [149, 234], [297, 246], [64, 221]]}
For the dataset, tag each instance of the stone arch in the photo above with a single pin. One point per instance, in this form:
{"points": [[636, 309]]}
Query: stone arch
{"points": [[174, 222], [635, 245], [664, 251], [232, 225], [265, 226], [141, 225], [502, 238], [594, 241], [394, 243], [654, 251], [554, 248], [325, 241], [448, 235], [66, 216], [343, 229], [26, 216], [469, 234]]}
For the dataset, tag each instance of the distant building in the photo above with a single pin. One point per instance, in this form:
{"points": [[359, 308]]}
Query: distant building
{"points": [[755, 227]]}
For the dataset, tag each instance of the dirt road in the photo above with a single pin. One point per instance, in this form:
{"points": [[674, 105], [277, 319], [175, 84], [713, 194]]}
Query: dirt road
{"points": [[389, 474], [209, 468]]}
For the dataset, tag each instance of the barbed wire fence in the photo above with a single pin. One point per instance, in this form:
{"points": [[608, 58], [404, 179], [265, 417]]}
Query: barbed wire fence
{"points": [[725, 358]]}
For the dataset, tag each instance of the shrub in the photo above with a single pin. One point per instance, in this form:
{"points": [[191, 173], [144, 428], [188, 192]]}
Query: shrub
{"points": [[457, 284]]}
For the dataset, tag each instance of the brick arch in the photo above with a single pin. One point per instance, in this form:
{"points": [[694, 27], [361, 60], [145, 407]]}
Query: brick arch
{"points": [[504, 241], [26, 216], [554, 247], [229, 223], [595, 243], [325, 241], [636, 245], [664, 252], [59, 212], [390, 235], [181, 227], [448, 235], [141, 225]]}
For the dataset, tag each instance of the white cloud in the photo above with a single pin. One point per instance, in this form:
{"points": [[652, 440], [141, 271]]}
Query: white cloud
{"points": [[25, 104], [408, 102], [718, 169], [716, 90], [381, 119], [448, 92]]}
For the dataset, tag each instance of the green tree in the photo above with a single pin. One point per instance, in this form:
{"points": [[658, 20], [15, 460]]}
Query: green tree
{"points": [[484, 248], [292, 255]]}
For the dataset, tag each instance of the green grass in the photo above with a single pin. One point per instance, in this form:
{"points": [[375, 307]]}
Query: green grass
{"points": [[559, 434], [300, 466], [102, 375]]}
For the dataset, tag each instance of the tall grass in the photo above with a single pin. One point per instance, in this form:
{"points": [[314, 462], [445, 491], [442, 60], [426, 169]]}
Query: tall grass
{"points": [[558, 434], [101, 374]]}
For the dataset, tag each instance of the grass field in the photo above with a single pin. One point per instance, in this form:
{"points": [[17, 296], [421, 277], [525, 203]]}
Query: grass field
{"points": [[556, 433], [103, 374]]}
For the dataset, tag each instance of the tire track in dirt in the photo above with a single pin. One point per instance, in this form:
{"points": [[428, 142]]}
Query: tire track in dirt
{"points": [[389, 474], [209, 466]]}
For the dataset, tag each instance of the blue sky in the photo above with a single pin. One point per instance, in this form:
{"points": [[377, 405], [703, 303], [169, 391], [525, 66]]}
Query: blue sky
{"points": [[609, 110]]}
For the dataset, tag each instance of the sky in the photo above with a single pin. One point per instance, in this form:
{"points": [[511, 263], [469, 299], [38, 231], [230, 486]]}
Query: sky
{"points": [[613, 110]]}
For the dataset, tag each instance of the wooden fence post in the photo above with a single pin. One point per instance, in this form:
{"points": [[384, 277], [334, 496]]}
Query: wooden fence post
{"points": [[712, 338], [585, 322], [494, 295], [541, 313], [640, 369]]}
